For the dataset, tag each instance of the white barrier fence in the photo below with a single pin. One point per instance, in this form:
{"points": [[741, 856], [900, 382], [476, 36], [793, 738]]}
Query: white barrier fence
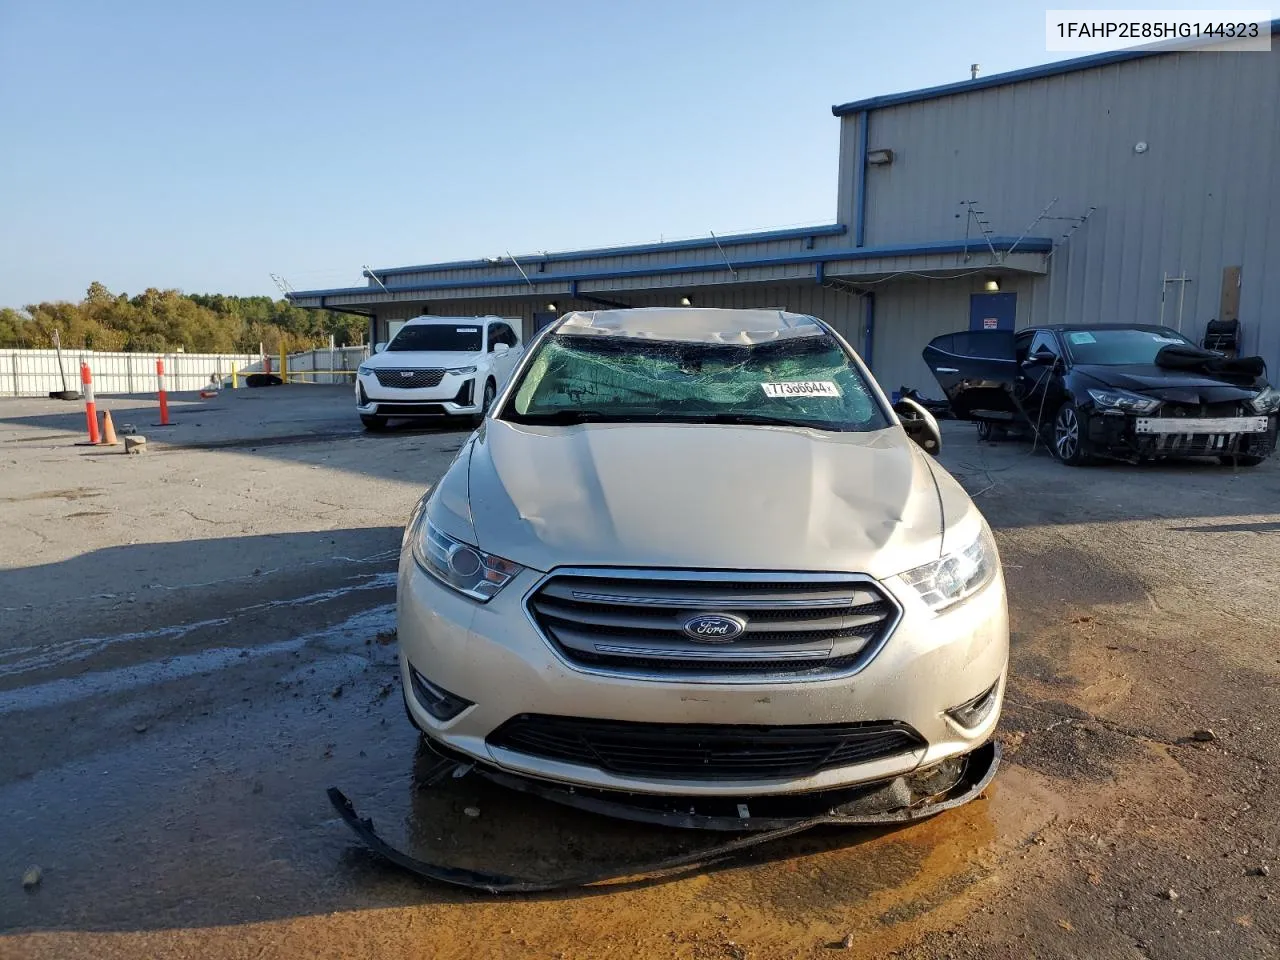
{"points": [[326, 366], [34, 373]]}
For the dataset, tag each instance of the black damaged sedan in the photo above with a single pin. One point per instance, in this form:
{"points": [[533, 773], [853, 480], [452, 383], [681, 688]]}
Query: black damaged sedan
{"points": [[1110, 391]]}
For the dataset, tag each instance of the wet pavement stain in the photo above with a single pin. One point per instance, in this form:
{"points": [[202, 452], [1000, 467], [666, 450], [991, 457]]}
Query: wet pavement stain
{"points": [[76, 493]]}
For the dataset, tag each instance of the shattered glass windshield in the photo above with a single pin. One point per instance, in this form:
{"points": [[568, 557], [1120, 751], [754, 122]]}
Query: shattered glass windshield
{"points": [[799, 381]]}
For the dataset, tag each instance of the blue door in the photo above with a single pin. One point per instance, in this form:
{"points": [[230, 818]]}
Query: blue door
{"points": [[992, 311]]}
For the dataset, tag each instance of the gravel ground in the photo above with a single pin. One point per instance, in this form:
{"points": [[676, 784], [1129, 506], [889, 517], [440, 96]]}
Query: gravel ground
{"points": [[194, 644]]}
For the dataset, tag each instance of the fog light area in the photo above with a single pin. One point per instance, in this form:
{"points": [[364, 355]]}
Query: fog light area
{"points": [[437, 701]]}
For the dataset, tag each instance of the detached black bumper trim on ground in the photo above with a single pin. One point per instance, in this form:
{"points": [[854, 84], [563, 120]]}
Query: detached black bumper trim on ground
{"points": [[979, 769]]}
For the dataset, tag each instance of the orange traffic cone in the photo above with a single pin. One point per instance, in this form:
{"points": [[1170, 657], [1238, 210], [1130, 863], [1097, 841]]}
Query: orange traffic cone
{"points": [[108, 430]]}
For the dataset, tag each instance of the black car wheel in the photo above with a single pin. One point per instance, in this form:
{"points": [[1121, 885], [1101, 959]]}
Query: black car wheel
{"points": [[1069, 444], [490, 391], [373, 422], [991, 431]]}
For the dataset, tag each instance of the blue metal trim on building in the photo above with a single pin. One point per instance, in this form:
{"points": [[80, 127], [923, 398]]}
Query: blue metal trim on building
{"points": [[1014, 76], [736, 239], [1024, 245], [860, 214]]}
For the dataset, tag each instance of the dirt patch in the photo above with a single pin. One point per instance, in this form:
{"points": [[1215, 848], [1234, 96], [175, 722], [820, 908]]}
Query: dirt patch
{"points": [[1066, 747]]}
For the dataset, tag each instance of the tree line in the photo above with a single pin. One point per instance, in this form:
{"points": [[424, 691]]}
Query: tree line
{"points": [[163, 321]]}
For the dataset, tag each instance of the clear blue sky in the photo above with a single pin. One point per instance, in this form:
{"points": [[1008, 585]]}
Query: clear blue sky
{"points": [[205, 145]]}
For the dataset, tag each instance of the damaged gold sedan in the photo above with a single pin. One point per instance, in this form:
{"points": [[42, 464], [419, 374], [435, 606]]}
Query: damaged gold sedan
{"points": [[695, 569]]}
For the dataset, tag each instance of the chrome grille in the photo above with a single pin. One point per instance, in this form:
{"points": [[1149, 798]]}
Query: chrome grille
{"points": [[409, 379], [802, 626]]}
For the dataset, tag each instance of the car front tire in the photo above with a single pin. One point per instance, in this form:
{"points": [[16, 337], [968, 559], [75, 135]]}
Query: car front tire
{"points": [[1067, 441], [490, 391]]}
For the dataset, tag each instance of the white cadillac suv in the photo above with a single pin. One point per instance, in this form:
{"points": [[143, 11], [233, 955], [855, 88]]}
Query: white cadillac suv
{"points": [[697, 553], [438, 366]]}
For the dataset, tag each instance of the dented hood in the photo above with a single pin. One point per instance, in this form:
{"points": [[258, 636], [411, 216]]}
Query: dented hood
{"points": [[703, 496], [1186, 386]]}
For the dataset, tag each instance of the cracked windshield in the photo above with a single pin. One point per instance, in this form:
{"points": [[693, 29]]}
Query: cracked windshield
{"points": [[799, 381]]}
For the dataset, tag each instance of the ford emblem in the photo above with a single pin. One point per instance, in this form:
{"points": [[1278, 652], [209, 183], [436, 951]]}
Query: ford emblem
{"points": [[714, 628]]}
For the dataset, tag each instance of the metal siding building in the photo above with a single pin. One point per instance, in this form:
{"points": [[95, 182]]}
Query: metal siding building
{"points": [[1033, 179]]}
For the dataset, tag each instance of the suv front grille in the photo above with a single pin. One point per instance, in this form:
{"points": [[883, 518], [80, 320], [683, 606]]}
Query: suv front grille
{"points": [[809, 627], [686, 751], [409, 379]]}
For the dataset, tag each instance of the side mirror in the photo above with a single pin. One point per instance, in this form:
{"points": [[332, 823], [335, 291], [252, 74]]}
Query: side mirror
{"points": [[920, 425], [1041, 357], [379, 347], [500, 349]]}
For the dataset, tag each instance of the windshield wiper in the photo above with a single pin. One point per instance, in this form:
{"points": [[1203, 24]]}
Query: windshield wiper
{"points": [[569, 417], [764, 420], [559, 418]]}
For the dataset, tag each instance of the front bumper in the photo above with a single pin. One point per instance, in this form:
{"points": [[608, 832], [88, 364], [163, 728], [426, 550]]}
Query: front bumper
{"points": [[493, 655], [456, 395], [1123, 435]]}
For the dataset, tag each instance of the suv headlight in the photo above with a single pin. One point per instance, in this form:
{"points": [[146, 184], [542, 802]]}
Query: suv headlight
{"points": [[459, 565], [364, 370], [1268, 401], [461, 370], [1123, 400], [958, 575]]}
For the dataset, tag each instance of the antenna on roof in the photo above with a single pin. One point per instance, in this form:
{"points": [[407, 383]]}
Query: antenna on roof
{"points": [[375, 278], [732, 272], [521, 269], [973, 70]]}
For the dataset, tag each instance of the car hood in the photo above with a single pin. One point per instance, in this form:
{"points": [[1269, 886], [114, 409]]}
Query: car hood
{"points": [[414, 359], [1179, 385], [703, 496]]}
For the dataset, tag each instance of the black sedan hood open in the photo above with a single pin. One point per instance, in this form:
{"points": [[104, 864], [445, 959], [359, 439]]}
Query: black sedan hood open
{"points": [[1163, 384]]}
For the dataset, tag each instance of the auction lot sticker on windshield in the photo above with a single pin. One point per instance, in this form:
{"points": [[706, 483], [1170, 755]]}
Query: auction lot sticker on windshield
{"points": [[1079, 336], [802, 388], [466, 329]]}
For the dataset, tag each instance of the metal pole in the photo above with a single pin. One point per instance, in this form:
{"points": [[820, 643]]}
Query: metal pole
{"points": [[1182, 293], [57, 345]]}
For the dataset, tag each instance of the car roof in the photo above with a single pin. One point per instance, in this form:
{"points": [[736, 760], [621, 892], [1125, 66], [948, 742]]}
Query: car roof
{"points": [[1102, 326], [449, 320], [691, 324]]}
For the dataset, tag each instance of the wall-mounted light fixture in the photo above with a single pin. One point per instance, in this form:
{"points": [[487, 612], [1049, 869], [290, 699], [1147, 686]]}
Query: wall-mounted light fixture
{"points": [[879, 157], [992, 286], [551, 307], [686, 302]]}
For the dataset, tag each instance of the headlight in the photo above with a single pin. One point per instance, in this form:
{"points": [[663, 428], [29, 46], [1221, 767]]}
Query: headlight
{"points": [[459, 565], [461, 370], [363, 370], [958, 575], [1268, 401], [1123, 400]]}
